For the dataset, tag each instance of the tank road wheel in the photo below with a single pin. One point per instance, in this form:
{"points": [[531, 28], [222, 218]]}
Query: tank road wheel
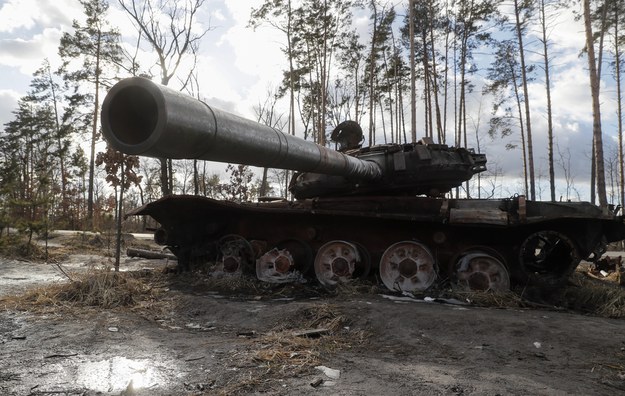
{"points": [[340, 262], [548, 257], [285, 263], [236, 255], [364, 265], [407, 266], [480, 270]]}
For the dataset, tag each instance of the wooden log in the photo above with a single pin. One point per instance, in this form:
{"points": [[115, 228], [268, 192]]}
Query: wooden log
{"points": [[149, 254]]}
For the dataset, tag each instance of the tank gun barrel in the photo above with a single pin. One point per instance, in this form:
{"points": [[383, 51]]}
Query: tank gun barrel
{"points": [[140, 117]]}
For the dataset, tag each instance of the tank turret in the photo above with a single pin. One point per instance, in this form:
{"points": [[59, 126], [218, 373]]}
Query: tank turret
{"points": [[140, 117]]}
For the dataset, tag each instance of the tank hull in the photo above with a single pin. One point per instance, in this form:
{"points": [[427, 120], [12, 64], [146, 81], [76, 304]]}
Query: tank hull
{"points": [[512, 232]]}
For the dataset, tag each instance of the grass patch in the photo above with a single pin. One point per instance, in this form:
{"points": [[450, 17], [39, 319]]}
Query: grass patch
{"points": [[283, 353], [16, 246], [594, 296], [506, 299], [582, 293], [96, 288]]}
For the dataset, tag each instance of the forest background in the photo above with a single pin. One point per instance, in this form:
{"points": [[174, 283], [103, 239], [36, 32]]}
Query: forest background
{"points": [[513, 79]]}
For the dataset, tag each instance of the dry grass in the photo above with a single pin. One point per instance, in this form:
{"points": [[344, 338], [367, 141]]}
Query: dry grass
{"points": [[582, 294], [358, 287], [283, 347], [230, 284], [594, 296], [507, 299], [282, 354], [16, 246], [95, 288]]}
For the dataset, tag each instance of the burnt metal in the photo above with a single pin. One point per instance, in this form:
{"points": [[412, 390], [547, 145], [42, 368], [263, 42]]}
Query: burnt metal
{"points": [[339, 262], [348, 135], [408, 266], [479, 269], [354, 209], [285, 263]]}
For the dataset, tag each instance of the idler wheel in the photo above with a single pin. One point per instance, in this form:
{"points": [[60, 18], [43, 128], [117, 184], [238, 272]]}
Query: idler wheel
{"points": [[340, 262], [407, 266], [236, 255], [285, 263], [160, 236], [480, 270], [548, 257]]}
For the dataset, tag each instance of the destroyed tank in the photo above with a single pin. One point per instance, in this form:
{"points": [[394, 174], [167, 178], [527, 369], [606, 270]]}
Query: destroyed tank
{"points": [[358, 212]]}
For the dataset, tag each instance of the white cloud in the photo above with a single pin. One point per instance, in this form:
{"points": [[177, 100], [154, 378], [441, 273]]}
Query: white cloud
{"points": [[8, 99], [28, 54], [31, 14], [256, 55]]}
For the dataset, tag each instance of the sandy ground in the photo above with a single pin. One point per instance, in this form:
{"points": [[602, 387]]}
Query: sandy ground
{"points": [[195, 341]]}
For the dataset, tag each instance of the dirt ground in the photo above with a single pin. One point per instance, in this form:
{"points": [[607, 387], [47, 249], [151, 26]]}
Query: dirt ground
{"points": [[193, 340]]}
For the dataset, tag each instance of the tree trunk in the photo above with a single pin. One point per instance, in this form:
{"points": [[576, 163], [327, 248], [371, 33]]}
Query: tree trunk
{"points": [[263, 184], [196, 179], [552, 181], [596, 109], [291, 71], [413, 88], [435, 89], [528, 123], [120, 208], [522, 128], [94, 137], [619, 104], [427, 90], [164, 177], [372, 75]]}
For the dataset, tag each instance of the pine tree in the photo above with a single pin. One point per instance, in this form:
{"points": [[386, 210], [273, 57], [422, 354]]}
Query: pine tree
{"points": [[27, 166], [96, 44]]}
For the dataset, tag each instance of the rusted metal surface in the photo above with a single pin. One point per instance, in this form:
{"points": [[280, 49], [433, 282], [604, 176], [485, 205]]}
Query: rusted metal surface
{"points": [[549, 256], [480, 270], [287, 262], [408, 266], [277, 266], [235, 255], [336, 262]]}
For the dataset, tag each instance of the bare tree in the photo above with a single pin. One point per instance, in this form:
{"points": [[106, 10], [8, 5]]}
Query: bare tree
{"points": [[564, 160], [266, 114], [169, 27], [491, 184], [279, 14]]}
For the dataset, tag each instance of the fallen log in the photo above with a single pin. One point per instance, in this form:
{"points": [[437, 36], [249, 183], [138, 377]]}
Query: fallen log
{"points": [[149, 254]]}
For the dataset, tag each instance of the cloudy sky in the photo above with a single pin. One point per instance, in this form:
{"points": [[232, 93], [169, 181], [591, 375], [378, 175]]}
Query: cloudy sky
{"points": [[238, 66], [234, 61]]}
